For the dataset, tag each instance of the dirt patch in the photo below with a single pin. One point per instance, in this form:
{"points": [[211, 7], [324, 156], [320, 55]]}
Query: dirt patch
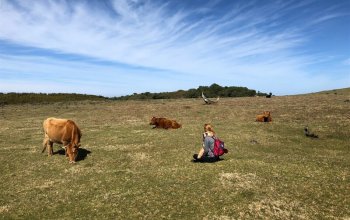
{"points": [[122, 147], [140, 156], [4, 208], [275, 209], [47, 184], [222, 217], [111, 147], [237, 180]]}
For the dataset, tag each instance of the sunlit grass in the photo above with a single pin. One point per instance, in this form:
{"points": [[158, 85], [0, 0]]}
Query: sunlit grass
{"points": [[130, 171]]}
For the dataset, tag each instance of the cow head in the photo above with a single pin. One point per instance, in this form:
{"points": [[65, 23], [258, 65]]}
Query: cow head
{"points": [[72, 151], [267, 116], [153, 120], [267, 113]]}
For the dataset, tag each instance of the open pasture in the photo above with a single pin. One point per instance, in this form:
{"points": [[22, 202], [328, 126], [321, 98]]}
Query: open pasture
{"points": [[126, 170]]}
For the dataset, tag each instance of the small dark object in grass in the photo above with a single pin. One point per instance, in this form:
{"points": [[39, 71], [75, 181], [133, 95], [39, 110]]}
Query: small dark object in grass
{"points": [[254, 141], [308, 133]]}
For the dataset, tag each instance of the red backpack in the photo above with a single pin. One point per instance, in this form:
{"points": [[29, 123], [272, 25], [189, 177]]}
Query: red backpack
{"points": [[219, 147]]}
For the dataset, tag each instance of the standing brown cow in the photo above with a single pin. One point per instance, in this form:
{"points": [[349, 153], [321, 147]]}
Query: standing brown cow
{"points": [[62, 131]]}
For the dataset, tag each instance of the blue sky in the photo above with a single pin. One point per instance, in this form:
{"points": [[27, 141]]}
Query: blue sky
{"points": [[119, 47]]}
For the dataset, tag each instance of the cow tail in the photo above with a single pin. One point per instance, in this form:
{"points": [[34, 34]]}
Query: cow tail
{"points": [[44, 145], [44, 141]]}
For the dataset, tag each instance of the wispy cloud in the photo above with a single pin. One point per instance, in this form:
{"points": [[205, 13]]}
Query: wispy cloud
{"points": [[248, 40]]}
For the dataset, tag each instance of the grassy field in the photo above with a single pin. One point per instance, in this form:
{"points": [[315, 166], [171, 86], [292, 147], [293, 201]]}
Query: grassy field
{"points": [[126, 170]]}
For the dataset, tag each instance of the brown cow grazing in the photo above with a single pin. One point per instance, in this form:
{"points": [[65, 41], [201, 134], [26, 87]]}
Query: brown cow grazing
{"points": [[164, 123], [264, 117], [62, 131]]}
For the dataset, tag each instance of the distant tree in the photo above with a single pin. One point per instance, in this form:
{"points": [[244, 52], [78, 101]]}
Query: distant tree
{"points": [[192, 93], [215, 89]]}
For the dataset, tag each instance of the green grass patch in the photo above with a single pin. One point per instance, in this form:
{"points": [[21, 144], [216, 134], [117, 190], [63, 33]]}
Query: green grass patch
{"points": [[130, 171]]}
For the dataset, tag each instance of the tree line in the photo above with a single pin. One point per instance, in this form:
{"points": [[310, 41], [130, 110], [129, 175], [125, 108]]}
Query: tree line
{"points": [[213, 90], [22, 98]]}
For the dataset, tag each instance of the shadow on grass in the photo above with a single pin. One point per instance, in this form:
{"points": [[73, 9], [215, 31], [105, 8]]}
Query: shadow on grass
{"points": [[207, 161], [60, 152], [82, 153]]}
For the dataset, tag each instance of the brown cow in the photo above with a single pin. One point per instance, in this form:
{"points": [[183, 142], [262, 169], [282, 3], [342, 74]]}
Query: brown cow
{"points": [[62, 131], [164, 123], [264, 117]]}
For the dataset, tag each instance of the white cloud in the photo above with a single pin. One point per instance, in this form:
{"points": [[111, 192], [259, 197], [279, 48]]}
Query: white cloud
{"points": [[241, 46], [47, 74]]}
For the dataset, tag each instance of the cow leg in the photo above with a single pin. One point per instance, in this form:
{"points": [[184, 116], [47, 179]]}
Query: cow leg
{"points": [[50, 148], [65, 151], [47, 144], [65, 147]]}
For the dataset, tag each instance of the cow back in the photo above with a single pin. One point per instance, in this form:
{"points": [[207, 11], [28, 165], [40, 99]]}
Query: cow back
{"points": [[62, 131]]}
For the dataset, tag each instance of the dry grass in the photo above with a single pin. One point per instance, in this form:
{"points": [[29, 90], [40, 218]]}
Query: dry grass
{"points": [[130, 171]]}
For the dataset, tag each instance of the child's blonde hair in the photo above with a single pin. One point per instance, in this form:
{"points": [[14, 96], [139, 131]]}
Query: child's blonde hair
{"points": [[208, 127]]}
